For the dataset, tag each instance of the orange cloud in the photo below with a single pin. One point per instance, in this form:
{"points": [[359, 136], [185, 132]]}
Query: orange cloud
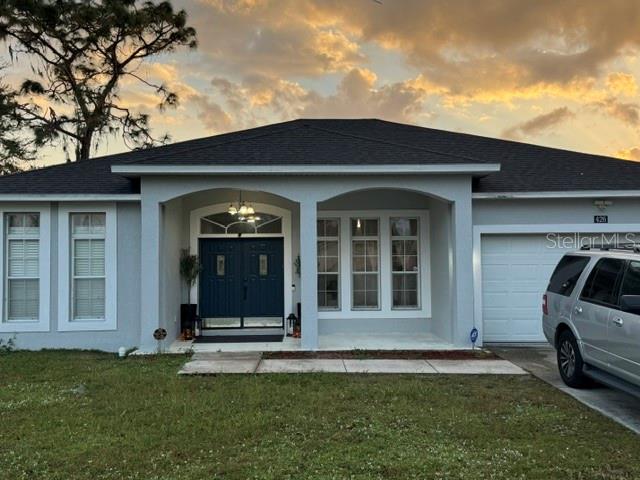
{"points": [[621, 83], [632, 153]]}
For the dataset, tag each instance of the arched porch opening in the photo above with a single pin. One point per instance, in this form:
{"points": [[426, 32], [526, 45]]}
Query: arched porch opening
{"points": [[200, 223], [394, 279]]}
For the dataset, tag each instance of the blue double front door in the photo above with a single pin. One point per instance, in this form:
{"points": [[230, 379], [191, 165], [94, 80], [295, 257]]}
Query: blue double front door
{"points": [[241, 282]]}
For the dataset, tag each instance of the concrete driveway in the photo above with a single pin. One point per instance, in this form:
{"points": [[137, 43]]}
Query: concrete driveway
{"points": [[541, 362]]}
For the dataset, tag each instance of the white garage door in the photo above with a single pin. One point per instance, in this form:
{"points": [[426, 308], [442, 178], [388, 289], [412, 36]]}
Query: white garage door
{"points": [[515, 274]]}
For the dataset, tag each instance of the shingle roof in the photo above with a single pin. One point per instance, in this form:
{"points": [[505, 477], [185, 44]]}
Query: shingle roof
{"points": [[524, 167]]}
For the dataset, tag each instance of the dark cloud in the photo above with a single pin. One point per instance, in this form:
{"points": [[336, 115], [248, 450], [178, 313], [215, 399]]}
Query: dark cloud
{"points": [[626, 112], [538, 124]]}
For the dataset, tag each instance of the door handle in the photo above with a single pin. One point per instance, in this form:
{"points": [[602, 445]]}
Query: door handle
{"points": [[245, 292], [618, 321], [578, 309]]}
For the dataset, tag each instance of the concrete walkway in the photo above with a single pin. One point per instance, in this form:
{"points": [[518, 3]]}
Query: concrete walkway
{"points": [[230, 362], [541, 362]]}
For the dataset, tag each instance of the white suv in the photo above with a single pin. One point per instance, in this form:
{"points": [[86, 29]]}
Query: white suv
{"points": [[591, 315]]}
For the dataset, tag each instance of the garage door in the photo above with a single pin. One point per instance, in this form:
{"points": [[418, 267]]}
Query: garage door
{"points": [[515, 274]]}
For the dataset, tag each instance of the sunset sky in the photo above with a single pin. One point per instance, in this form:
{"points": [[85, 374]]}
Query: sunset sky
{"points": [[556, 73]]}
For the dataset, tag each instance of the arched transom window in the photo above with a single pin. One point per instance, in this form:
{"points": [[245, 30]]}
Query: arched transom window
{"points": [[225, 223]]}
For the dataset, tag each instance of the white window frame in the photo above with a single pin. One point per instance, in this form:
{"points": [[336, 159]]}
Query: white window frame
{"points": [[42, 323], [417, 273], [365, 238], [386, 311], [66, 323], [339, 272]]}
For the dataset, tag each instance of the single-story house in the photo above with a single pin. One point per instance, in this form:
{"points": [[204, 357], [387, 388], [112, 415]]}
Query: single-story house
{"points": [[377, 229]]}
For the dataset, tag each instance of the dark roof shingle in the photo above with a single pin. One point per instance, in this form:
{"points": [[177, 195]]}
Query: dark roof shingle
{"points": [[524, 167]]}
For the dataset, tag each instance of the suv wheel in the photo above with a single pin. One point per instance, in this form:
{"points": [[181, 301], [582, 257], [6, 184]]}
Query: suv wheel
{"points": [[570, 362]]}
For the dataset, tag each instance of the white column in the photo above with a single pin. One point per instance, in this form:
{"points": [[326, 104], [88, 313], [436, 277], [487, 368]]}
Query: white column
{"points": [[150, 272], [309, 274], [462, 239]]}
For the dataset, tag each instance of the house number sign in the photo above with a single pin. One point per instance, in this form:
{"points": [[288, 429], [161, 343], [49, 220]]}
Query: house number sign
{"points": [[601, 219]]}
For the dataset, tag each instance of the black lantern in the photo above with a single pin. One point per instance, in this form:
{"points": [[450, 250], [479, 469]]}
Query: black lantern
{"points": [[291, 323]]}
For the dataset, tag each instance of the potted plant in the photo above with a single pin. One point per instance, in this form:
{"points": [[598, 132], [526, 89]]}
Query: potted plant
{"points": [[189, 270]]}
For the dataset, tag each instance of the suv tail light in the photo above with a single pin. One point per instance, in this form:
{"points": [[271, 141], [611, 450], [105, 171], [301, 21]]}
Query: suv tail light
{"points": [[545, 306]]}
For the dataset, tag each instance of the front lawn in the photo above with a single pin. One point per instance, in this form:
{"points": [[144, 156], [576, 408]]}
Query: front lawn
{"points": [[82, 415]]}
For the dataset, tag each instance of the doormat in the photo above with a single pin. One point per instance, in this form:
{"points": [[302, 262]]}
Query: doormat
{"points": [[239, 339]]}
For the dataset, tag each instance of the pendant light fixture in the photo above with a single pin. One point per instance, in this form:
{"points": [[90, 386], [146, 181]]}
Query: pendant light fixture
{"points": [[245, 213]]}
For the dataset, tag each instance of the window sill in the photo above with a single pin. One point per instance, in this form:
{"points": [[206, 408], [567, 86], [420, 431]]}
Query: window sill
{"points": [[24, 326]]}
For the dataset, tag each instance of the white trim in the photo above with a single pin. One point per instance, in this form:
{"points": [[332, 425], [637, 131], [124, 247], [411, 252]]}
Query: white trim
{"points": [[378, 239], [65, 322], [76, 197], [417, 238], [391, 169], [338, 239], [44, 259], [562, 194], [479, 230], [385, 311], [195, 236]]}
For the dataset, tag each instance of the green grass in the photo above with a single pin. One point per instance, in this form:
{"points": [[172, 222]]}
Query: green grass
{"points": [[84, 415]]}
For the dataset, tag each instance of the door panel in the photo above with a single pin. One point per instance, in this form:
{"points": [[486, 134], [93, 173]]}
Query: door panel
{"points": [[242, 282], [220, 282], [592, 312], [591, 321], [624, 330], [624, 344], [264, 273]]}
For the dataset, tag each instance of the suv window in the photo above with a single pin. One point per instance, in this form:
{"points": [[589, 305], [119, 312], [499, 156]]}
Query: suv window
{"points": [[566, 275], [631, 282], [602, 282]]}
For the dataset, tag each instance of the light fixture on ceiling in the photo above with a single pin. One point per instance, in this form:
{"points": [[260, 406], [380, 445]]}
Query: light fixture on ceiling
{"points": [[245, 213], [358, 224], [602, 204]]}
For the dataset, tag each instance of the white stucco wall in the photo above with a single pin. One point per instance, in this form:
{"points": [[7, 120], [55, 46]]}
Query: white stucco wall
{"points": [[174, 239], [308, 194], [127, 333], [553, 211]]}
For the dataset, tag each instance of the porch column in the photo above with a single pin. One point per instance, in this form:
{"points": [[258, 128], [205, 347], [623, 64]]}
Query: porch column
{"points": [[462, 270], [150, 272], [309, 274]]}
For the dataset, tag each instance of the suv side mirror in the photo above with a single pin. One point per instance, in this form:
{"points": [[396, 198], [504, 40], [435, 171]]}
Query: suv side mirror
{"points": [[630, 303]]}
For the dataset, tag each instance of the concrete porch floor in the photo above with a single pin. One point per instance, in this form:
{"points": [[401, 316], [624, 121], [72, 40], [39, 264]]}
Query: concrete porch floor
{"points": [[326, 343]]}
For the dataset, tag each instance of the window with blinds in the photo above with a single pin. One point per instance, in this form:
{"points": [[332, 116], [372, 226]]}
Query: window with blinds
{"points": [[88, 266], [22, 267]]}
